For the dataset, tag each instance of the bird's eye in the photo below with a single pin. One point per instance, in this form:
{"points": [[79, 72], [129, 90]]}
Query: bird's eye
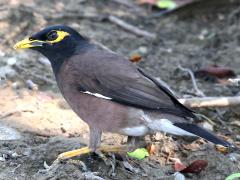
{"points": [[52, 36]]}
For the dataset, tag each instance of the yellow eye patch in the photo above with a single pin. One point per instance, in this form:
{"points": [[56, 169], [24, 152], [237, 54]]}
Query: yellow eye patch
{"points": [[60, 36], [52, 37]]}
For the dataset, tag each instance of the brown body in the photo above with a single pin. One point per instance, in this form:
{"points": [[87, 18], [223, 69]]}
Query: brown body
{"points": [[97, 112], [101, 113]]}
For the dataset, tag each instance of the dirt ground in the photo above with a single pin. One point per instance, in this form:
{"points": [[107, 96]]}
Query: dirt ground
{"points": [[195, 36]]}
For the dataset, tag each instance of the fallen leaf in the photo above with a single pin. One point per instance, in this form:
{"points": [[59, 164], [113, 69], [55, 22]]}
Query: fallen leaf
{"points": [[233, 176], [151, 149], [195, 167], [166, 4], [222, 149], [215, 72], [191, 147], [139, 154], [135, 58], [179, 166], [151, 2]]}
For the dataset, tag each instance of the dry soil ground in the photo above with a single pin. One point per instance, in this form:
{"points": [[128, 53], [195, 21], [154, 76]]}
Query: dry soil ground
{"points": [[194, 37]]}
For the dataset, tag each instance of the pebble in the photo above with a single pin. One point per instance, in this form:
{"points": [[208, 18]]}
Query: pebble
{"points": [[140, 51], [235, 157], [7, 133], [2, 54], [2, 159], [31, 85], [16, 85], [179, 176], [27, 152], [12, 61], [143, 50], [44, 61], [7, 71], [5, 156], [15, 155], [158, 136], [238, 137]]}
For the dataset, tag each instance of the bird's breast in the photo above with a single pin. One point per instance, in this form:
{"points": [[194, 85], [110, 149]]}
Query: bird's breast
{"points": [[97, 111]]}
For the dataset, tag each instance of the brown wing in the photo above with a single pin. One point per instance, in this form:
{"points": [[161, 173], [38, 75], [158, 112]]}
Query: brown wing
{"points": [[113, 76]]}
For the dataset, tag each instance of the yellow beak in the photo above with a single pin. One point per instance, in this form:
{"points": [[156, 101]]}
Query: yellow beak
{"points": [[26, 43]]}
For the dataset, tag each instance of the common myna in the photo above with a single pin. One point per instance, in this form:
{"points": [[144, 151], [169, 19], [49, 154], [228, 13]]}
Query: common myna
{"points": [[110, 93]]}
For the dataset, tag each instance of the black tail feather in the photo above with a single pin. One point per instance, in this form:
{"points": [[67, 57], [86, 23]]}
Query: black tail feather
{"points": [[203, 133]]}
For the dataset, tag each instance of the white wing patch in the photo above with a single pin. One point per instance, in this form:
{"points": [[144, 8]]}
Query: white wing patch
{"points": [[167, 126], [97, 95], [135, 131]]}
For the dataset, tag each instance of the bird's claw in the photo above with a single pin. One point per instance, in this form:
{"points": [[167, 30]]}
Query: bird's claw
{"points": [[108, 161], [130, 167], [55, 164], [78, 163]]}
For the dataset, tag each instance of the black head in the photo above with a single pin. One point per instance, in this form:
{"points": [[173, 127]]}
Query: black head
{"points": [[57, 43]]}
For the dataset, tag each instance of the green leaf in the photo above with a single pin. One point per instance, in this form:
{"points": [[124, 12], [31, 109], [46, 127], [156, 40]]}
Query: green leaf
{"points": [[139, 154], [234, 176], [166, 4]]}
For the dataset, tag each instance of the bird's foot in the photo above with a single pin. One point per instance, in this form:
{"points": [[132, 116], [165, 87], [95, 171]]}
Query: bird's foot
{"points": [[68, 155], [55, 165], [130, 166], [109, 162], [121, 150], [86, 150]]}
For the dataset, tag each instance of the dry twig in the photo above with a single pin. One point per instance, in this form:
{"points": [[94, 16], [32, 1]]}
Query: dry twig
{"points": [[211, 102], [130, 27], [125, 3], [8, 114], [198, 91]]}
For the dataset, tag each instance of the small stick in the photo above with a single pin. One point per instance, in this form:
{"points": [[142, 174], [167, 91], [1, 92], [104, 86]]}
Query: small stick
{"points": [[211, 102], [125, 3], [198, 91], [130, 27], [8, 114]]}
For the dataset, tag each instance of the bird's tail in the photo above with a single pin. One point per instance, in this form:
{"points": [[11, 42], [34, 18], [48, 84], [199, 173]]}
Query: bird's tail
{"points": [[203, 133]]}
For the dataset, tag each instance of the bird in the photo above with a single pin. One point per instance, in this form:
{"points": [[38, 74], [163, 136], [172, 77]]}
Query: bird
{"points": [[110, 93]]}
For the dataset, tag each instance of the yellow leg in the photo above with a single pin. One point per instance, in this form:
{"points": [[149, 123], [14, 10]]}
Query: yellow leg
{"points": [[73, 153], [118, 149], [86, 150]]}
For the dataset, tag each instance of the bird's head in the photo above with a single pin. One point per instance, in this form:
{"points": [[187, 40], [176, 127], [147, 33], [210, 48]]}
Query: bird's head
{"points": [[54, 42], [57, 43]]}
